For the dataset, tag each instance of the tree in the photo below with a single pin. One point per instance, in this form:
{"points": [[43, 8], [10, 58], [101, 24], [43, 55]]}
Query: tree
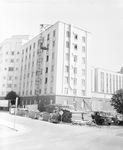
{"points": [[117, 101], [12, 96]]}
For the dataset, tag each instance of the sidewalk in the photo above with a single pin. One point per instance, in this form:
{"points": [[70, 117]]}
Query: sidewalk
{"points": [[8, 129]]}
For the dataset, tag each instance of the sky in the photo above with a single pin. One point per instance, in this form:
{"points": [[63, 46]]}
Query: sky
{"points": [[103, 18]]}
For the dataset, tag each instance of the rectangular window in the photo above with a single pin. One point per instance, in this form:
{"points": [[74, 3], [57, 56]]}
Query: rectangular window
{"points": [[16, 78], [119, 82], [75, 36], [27, 49], [48, 46], [83, 49], [83, 72], [11, 60], [15, 85], [83, 39], [83, 92], [65, 90], [66, 80], [75, 58], [54, 32], [46, 69], [18, 53], [107, 81], [83, 60], [9, 77], [116, 82], [47, 58], [83, 82], [30, 92], [110, 83], [113, 83], [75, 46], [9, 85], [12, 53], [33, 45], [53, 43], [67, 56], [51, 79], [102, 81], [45, 80], [11, 68], [75, 70], [75, 81], [30, 47], [52, 55], [74, 91], [66, 69], [67, 34], [52, 69], [48, 37], [67, 44]]}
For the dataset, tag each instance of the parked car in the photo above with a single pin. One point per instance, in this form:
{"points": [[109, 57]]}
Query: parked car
{"points": [[102, 118]]}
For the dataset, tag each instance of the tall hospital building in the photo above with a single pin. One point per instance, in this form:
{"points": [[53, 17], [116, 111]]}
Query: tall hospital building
{"points": [[10, 55], [65, 75], [64, 69]]}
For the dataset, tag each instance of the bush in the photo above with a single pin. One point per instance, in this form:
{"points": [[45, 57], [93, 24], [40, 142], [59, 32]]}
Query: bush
{"points": [[66, 117]]}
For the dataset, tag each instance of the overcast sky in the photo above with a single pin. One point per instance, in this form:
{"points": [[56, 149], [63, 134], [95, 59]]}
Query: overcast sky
{"points": [[103, 18]]}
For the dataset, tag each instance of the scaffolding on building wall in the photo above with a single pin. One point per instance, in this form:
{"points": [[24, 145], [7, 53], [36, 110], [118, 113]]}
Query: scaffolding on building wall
{"points": [[41, 48]]}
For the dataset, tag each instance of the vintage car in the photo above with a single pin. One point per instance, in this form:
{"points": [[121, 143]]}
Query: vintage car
{"points": [[102, 118]]}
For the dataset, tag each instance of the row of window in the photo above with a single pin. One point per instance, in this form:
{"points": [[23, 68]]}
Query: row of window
{"points": [[75, 47], [113, 83], [10, 69], [75, 58], [74, 81], [74, 91], [11, 60], [10, 77], [75, 36], [9, 85], [48, 38], [35, 92], [12, 53], [74, 70], [41, 71]]}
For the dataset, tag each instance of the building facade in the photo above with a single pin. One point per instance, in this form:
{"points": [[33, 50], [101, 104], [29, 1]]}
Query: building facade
{"points": [[64, 67], [10, 55], [103, 84]]}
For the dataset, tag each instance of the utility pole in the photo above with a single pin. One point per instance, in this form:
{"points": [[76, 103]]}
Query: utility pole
{"points": [[40, 50]]}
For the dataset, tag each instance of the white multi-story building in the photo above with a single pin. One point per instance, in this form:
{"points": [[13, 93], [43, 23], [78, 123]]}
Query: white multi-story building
{"points": [[64, 67], [103, 84], [10, 52]]}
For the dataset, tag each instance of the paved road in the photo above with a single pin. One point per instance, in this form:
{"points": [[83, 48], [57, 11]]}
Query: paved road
{"points": [[40, 135]]}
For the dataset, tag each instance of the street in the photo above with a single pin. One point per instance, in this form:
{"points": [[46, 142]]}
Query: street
{"points": [[30, 134]]}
